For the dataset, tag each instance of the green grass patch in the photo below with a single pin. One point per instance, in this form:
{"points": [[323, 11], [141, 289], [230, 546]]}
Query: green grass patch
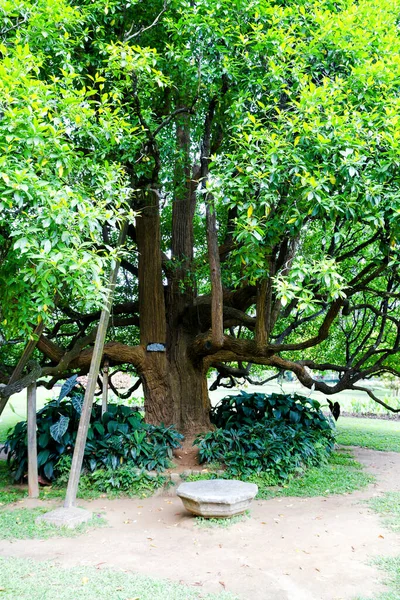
{"points": [[8, 496], [376, 434], [29, 580], [20, 524], [9, 493], [86, 491], [221, 523], [388, 505], [90, 488], [203, 476], [342, 475], [391, 567]]}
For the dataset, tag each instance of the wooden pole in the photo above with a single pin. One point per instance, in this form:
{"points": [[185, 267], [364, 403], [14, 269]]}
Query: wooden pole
{"points": [[33, 484], [84, 421], [104, 399]]}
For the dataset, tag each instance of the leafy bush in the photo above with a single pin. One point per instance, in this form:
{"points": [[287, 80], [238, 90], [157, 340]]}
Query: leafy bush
{"points": [[278, 435], [246, 409], [118, 437], [125, 479]]}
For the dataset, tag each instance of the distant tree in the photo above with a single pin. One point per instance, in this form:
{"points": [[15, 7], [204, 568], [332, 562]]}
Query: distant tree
{"points": [[260, 140]]}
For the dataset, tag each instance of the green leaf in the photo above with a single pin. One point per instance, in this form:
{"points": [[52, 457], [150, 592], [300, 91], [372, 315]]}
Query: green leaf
{"points": [[67, 386], [58, 429]]}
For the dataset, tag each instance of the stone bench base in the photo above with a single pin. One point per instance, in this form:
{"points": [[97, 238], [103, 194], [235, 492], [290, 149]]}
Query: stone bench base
{"points": [[217, 498]]}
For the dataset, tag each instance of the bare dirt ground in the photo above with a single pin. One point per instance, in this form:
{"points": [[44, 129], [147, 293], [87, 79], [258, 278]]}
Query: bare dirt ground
{"points": [[289, 549]]}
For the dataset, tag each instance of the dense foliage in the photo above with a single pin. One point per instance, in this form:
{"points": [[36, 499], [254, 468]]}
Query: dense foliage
{"points": [[53, 199], [126, 479], [257, 142], [279, 435], [246, 409], [118, 438]]}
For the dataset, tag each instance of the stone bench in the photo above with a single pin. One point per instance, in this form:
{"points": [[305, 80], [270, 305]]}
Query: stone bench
{"points": [[217, 497]]}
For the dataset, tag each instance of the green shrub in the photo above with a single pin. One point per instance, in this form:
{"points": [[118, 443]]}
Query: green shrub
{"points": [[117, 438], [125, 479], [279, 435], [246, 409]]}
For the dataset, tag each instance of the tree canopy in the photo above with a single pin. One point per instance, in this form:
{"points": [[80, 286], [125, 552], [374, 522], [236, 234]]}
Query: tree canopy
{"points": [[256, 141]]}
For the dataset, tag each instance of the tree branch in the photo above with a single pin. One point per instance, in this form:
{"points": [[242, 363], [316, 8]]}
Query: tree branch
{"points": [[130, 35], [375, 398], [17, 386]]}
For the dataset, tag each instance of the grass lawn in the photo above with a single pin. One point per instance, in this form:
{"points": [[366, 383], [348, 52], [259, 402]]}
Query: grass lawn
{"points": [[391, 568], [29, 580], [342, 475], [388, 506], [20, 524], [376, 434]]}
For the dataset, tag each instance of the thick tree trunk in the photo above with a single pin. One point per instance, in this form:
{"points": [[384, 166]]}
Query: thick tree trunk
{"points": [[175, 388], [156, 389], [188, 384], [154, 371]]}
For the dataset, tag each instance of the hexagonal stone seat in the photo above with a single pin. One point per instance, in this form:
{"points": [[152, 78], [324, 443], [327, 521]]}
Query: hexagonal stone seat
{"points": [[217, 497]]}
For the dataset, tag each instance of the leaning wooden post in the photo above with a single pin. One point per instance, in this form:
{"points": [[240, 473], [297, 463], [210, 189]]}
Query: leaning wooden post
{"points": [[104, 399], [80, 443], [33, 484]]}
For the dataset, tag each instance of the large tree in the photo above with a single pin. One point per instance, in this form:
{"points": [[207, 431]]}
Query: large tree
{"points": [[260, 140]]}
